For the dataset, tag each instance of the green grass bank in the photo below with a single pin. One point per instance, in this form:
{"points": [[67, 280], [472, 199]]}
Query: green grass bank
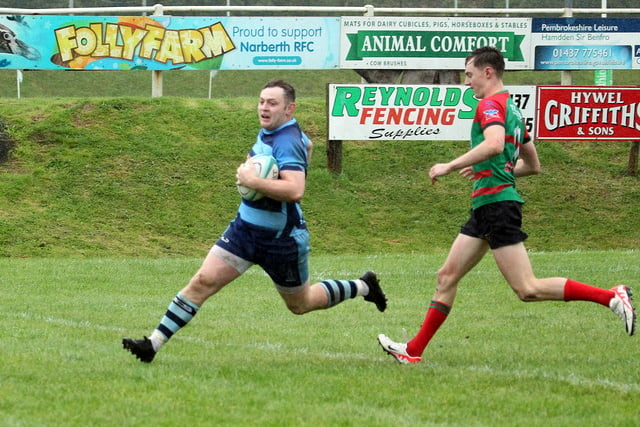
{"points": [[142, 177]]}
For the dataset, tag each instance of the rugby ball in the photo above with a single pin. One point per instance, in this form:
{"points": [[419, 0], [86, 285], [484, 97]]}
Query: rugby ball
{"points": [[266, 167]]}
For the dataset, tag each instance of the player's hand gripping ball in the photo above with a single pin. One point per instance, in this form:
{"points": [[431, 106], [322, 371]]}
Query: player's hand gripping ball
{"points": [[265, 167]]}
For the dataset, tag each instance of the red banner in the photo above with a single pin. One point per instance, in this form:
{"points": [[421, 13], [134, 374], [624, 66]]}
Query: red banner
{"points": [[588, 113]]}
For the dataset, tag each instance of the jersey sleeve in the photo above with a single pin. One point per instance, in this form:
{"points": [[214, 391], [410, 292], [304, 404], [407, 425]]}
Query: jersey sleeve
{"points": [[290, 149], [527, 136], [490, 112]]}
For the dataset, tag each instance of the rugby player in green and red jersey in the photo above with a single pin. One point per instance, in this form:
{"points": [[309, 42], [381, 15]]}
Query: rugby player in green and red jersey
{"points": [[501, 150]]}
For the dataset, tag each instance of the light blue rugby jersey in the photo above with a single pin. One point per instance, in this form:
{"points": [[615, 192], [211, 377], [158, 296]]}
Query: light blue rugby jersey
{"points": [[288, 145]]}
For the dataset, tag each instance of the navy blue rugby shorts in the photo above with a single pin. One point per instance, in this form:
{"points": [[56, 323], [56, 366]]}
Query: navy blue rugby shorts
{"points": [[284, 258], [498, 223]]}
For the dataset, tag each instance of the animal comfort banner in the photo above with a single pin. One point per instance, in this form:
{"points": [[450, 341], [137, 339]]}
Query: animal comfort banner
{"points": [[588, 113], [411, 112], [167, 43], [586, 43], [432, 43]]}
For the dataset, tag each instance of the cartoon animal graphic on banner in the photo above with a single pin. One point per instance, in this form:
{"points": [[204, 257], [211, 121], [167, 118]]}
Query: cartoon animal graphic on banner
{"points": [[11, 44]]}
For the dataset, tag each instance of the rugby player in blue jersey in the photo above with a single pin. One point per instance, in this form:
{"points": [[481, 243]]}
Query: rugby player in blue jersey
{"points": [[270, 232]]}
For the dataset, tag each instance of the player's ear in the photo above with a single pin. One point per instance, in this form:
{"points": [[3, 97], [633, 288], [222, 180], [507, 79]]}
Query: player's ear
{"points": [[489, 71], [291, 108]]}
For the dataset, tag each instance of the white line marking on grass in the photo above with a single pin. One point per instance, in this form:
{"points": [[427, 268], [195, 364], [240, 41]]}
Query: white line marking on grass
{"points": [[66, 322], [279, 347], [570, 379]]}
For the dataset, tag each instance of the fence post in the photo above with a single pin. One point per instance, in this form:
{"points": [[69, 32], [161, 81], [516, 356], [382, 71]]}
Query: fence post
{"points": [[156, 75], [19, 81], [632, 169], [334, 156], [334, 147], [566, 78]]}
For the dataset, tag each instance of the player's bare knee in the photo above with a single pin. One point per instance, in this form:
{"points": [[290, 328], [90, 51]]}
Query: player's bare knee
{"points": [[297, 309], [446, 280], [203, 282], [527, 295]]}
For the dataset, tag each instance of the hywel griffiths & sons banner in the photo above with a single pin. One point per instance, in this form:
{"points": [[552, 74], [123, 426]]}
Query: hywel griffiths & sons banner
{"points": [[588, 113]]}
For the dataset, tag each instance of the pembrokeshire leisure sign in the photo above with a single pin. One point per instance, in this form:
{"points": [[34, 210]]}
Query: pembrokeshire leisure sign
{"points": [[586, 43], [588, 113]]}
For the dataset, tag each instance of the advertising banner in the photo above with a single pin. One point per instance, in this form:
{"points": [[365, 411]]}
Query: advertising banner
{"points": [[431, 42], [586, 43], [588, 113], [167, 43], [410, 112]]}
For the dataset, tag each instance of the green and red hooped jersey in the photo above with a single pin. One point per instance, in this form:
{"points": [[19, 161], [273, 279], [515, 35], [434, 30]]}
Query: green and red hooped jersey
{"points": [[494, 178]]}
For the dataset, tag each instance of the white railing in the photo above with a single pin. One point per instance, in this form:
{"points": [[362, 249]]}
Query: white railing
{"points": [[368, 10]]}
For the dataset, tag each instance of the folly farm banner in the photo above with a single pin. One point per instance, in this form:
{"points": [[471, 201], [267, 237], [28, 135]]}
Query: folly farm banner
{"points": [[167, 42], [411, 112]]}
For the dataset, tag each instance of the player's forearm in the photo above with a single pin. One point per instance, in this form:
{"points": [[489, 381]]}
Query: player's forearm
{"points": [[525, 168], [484, 151]]}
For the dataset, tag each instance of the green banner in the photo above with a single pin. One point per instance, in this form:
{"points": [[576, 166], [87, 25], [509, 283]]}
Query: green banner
{"points": [[603, 77], [430, 44]]}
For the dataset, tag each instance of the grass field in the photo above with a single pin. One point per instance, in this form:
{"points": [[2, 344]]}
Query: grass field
{"points": [[245, 360], [108, 204]]}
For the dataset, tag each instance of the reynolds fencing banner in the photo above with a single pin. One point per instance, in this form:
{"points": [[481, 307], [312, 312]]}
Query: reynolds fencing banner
{"points": [[588, 113], [431, 43], [167, 43], [411, 112], [586, 43]]}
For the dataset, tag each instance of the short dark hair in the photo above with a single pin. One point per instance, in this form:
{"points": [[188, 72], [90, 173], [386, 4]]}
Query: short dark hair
{"points": [[487, 56], [289, 91]]}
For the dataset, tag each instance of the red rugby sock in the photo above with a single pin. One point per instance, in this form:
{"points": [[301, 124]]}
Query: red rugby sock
{"points": [[576, 291], [436, 315]]}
